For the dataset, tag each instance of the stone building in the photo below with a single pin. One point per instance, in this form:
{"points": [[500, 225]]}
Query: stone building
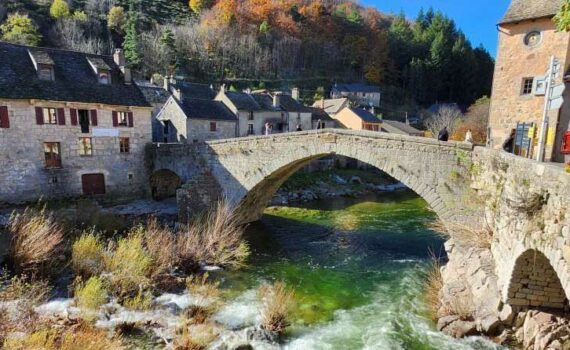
{"points": [[322, 117], [399, 128], [156, 96], [358, 119], [71, 124], [527, 40], [362, 95], [332, 106]]}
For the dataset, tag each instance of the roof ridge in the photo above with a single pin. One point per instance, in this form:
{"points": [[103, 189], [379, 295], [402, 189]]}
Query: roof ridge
{"points": [[54, 49]]}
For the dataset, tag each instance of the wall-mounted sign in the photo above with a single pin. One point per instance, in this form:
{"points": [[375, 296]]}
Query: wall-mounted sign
{"points": [[104, 132]]}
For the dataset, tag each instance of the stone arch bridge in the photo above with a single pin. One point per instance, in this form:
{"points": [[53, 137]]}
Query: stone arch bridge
{"points": [[525, 204]]}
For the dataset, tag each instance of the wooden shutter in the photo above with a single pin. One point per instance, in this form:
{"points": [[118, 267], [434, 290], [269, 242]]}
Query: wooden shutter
{"points": [[131, 121], [94, 117], [4, 120], [61, 116], [73, 116], [39, 115], [115, 119]]}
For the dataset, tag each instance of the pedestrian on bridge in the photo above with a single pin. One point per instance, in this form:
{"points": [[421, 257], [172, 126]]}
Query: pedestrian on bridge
{"points": [[469, 136], [443, 134]]}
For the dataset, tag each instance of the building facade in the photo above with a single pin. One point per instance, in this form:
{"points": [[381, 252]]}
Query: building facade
{"points": [[527, 41], [71, 124], [358, 119], [361, 95]]}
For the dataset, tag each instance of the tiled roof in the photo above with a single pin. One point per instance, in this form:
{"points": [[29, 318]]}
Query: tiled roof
{"points": [[396, 127], [196, 108], [265, 102], [520, 10], [332, 106], [243, 101], [195, 90], [289, 104], [357, 88], [75, 80], [318, 113], [153, 93], [365, 115]]}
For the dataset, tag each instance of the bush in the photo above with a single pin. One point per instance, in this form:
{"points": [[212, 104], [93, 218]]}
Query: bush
{"points": [[87, 255], [129, 265], [202, 289], [36, 241], [197, 314], [198, 339], [433, 287], [216, 239], [160, 243], [92, 294], [277, 302], [140, 302]]}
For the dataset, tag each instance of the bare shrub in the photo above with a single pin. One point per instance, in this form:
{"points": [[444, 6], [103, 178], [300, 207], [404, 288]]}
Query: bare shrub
{"points": [[277, 302], [460, 305], [446, 117], [216, 238], [160, 243], [87, 255], [197, 314], [433, 287], [36, 241], [465, 235], [196, 337], [202, 289]]}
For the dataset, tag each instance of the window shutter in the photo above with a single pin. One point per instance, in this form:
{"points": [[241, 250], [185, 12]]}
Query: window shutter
{"points": [[39, 116], [131, 121], [61, 116], [115, 119], [73, 116], [94, 117], [4, 121]]}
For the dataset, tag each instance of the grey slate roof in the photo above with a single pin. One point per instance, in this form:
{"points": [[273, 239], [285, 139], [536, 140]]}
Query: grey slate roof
{"points": [[196, 108], [289, 104], [265, 102], [520, 10], [357, 87], [243, 101], [396, 127], [317, 113], [153, 94], [75, 80], [365, 115], [195, 90]]}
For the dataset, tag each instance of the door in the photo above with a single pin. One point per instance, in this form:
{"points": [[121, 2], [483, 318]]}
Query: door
{"points": [[93, 184], [84, 120]]}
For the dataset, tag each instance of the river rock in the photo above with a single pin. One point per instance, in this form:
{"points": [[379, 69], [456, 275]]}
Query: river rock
{"points": [[461, 329], [490, 324], [507, 315], [446, 321]]}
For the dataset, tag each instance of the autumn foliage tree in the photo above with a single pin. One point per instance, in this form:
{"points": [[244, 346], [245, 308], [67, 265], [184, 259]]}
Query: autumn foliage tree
{"points": [[20, 29]]}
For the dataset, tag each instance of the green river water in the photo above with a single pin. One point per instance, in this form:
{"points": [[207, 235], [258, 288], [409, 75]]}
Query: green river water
{"points": [[357, 268]]}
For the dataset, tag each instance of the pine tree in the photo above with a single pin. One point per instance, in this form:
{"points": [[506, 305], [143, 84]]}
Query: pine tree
{"points": [[131, 43], [59, 9]]}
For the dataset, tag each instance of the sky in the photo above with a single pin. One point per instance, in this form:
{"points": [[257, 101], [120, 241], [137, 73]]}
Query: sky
{"points": [[476, 18]]}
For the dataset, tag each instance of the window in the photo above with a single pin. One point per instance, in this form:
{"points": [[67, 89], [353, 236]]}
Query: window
{"points": [[124, 145], [250, 129], [85, 146], [50, 115], [45, 72], [166, 127], [4, 118], [104, 78], [250, 116], [84, 120], [53, 179], [52, 154], [213, 126], [122, 118], [527, 86]]}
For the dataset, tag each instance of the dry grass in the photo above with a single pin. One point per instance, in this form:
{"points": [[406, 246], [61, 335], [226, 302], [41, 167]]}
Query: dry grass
{"points": [[36, 241], [480, 237], [140, 302], [277, 302], [160, 243], [129, 264], [87, 255], [92, 294], [433, 287], [462, 306], [215, 239], [195, 337], [197, 314], [202, 288]]}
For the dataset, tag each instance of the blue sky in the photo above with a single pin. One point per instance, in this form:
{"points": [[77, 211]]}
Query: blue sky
{"points": [[477, 18]]}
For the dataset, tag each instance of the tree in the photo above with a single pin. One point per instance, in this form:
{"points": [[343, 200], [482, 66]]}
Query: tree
{"points": [[116, 19], [20, 29], [131, 43], [446, 117], [80, 16], [562, 18], [198, 6], [476, 119], [59, 9]]}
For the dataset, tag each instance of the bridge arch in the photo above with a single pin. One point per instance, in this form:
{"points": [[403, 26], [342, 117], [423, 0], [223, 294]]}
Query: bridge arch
{"points": [[164, 183], [534, 283], [250, 170]]}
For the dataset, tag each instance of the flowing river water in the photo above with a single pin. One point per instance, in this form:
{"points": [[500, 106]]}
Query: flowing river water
{"points": [[357, 266]]}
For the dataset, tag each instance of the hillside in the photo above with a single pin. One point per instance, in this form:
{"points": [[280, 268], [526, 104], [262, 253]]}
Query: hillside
{"points": [[256, 43]]}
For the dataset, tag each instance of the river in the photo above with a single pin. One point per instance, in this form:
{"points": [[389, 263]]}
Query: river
{"points": [[357, 266]]}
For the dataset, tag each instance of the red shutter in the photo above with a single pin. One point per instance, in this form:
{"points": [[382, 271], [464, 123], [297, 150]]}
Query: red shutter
{"points": [[94, 117], [115, 119], [73, 116], [131, 121], [566, 143], [61, 116], [39, 116], [4, 120]]}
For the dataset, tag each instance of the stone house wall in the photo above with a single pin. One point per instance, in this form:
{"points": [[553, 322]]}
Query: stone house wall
{"points": [[172, 112], [199, 130], [258, 122], [23, 173], [300, 118], [516, 61]]}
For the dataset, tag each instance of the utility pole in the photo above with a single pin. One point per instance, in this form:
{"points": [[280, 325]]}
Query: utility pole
{"points": [[544, 124]]}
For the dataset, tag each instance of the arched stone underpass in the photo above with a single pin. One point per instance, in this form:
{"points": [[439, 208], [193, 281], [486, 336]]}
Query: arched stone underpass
{"points": [[535, 284], [164, 183]]}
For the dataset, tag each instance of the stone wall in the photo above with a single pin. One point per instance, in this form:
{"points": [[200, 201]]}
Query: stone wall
{"points": [[198, 130], [23, 173]]}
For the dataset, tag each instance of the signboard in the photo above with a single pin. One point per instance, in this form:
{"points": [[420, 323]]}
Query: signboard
{"points": [[103, 132], [556, 99]]}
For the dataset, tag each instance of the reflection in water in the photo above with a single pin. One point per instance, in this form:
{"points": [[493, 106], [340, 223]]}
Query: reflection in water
{"points": [[357, 268]]}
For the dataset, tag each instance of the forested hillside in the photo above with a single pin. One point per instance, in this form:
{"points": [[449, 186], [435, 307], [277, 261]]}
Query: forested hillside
{"points": [[309, 43]]}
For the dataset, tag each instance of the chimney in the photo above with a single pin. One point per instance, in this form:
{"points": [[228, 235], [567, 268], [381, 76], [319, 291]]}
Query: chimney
{"points": [[276, 103], [295, 94], [177, 93], [166, 83], [223, 88], [119, 58], [322, 103]]}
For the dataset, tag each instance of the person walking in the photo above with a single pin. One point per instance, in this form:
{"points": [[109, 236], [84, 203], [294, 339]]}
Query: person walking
{"points": [[267, 130], [509, 143], [298, 128], [443, 134], [469, 136]]}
